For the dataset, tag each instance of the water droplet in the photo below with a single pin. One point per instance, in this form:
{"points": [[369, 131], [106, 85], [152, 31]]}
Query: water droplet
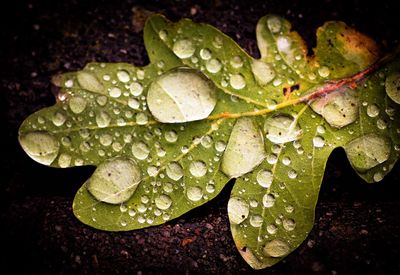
{"points": [[69, 83], [174, 171], [181, 95], [318, 141], [101, 100], [392, 85], [256, 221], [321, 129], [106, 139], [140, 150], [183, 48], [136, 88], [289, 224], [217, 42], [282, 128], [64, 160], [103, 119], [245, 149], [381, 124], [268, 200], [265, 178], [171, 136], [238, 210], [77, 104], [272, 229], [163, 202], [292, 174], [213, 65], [324, 71], [40, 146], [263, 72], [58, 118], [368, 151], [163, 35], [276, 249], [372, 110], [274, 24], [237, 81], [168, 187], [134, 103], [152, 171], [141, 118], [194, 193], [131, 212], [378, 176], [289, 208], [338, 108], [206, 141], [198, 168], [236, 62], [210, 188], [286, 161], [123, 208], [272, 158], [89, 82], [114, 180], [205, 54], [115, 92], [220, 146], [123, 76], [283, 43]]}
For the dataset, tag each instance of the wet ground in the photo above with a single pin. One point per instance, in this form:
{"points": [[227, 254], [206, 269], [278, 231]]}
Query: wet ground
{"points": [[357, 227]]}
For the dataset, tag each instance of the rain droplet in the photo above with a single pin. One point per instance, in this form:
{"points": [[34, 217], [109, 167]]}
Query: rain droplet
{"points": [[236, 62], [324, 71], [268, 200], [77, 104], [220, 146], [274, 24], [103, 119], [265, 178], [318, 141], [368, 151], [213, 65], [198, 168], [106, 139], [101, 100], [289, 224], [286, 161], [123, 76], [174, 171], [206, 141], [392, 85], [183, 48], [238, 210], [292, 174], [237, 81], [272, 229], [181, 95], [194, 193], [276, 249], [163, 34], [115, 92], [256, 221], [40, 146], [282, 128], [263, 72], [64, 160], [134, 103], [378, 176], [168, 187], [136, 88], [142, 119], [245, 149], [171, 136], [140, 150], [372, 110], [58, 119], [152, 171], [163, 202], [381, 124], [205, 54], [114, 180], [89, 82]]}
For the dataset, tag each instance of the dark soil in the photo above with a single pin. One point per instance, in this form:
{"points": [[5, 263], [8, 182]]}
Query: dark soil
{"points": [[357, 227]]}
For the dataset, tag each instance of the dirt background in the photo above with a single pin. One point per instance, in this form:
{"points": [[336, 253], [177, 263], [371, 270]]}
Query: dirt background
{"points": [[357, 226]]}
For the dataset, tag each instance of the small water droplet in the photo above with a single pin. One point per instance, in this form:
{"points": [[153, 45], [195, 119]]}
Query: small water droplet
{"points": [[141, 118], [168, 187], [392, 85], [213, 65], [378, 176], [318, 141], [272, 158], [289, 208], [263, 72], [238, 210], [381, 124], [89, 81], [324, 71], [40, 146], [77, 104], [131, 212], [174, 171], [101, 100], [205, 54], [123, 76], [106, 139], [206, 141], [292, 174], [321, 129], [194, 193], [152, 171], [103, 119], [276, 249], [274, 24], [256, 220], [183, 48], [136, 88], [289, 224], [282, 128], [372, 110], [163, 35], [140, 150], [236, 62], [58, 118], [123, 208], [268, 200], [286, 161], [237, 81], [64, 160], [171, 136], [115, 92], [134, 103], [272, 229], [163, 202], [265, 178], [198, 168], [220, 146]]}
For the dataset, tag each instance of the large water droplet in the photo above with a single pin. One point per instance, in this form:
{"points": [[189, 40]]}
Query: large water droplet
{"points": [[213, 65], [136, 88], [368, 151], [282, 128], [245, 149], [123, 76], [205, 54], [59, 118], [268, 200], [115, 180], [263, 72], [106, 139], [289, 224], [237, 81], [115, 92], [372, 110], [338, 108], [198, 168], [89, 81], [140, 150], [40, 146], [276, 248], [163, 202], [171, 136], [183, 48], [264, 178], [194, 193], [392, 85], [77, 104], [103, 119], [181, 95], [318, 141], [256, 221], [238, 210], [174, 171]]}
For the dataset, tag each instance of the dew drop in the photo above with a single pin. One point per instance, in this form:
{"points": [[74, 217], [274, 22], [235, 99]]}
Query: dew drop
{"points": [[286, 161], [171, 136], [77, 104], [205, 54], [368, 151], [183, 48], [213, 65], [256, 221], [140, 150], [123, 76], [168, 187], [198, 168], [220, 146], [64, 160], [101, 100], [163, 202], [378, 176], [289, 224], [152, 171], [103, 119], [238, 210], [274, 24], [268, 200], [194, 193], [292, 174], [237, 81], [114, 180], [174, 171], [245, 149], [106, 139], [265, 178], [141, 119], [381, 124], [324, 72], [40, 146], [163, 35], [318, 141], [276, 249], [181, 95], [372, 110], [392, 85], [206, 141], [115, 92], [263, 72], [236, 62], [272, 158], [134, 103], [282, 128], [89, 82], [136, 88], [59, 119]]}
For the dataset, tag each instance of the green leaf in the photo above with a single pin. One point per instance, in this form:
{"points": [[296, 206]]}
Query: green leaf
{"points": [[167, 137]]}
